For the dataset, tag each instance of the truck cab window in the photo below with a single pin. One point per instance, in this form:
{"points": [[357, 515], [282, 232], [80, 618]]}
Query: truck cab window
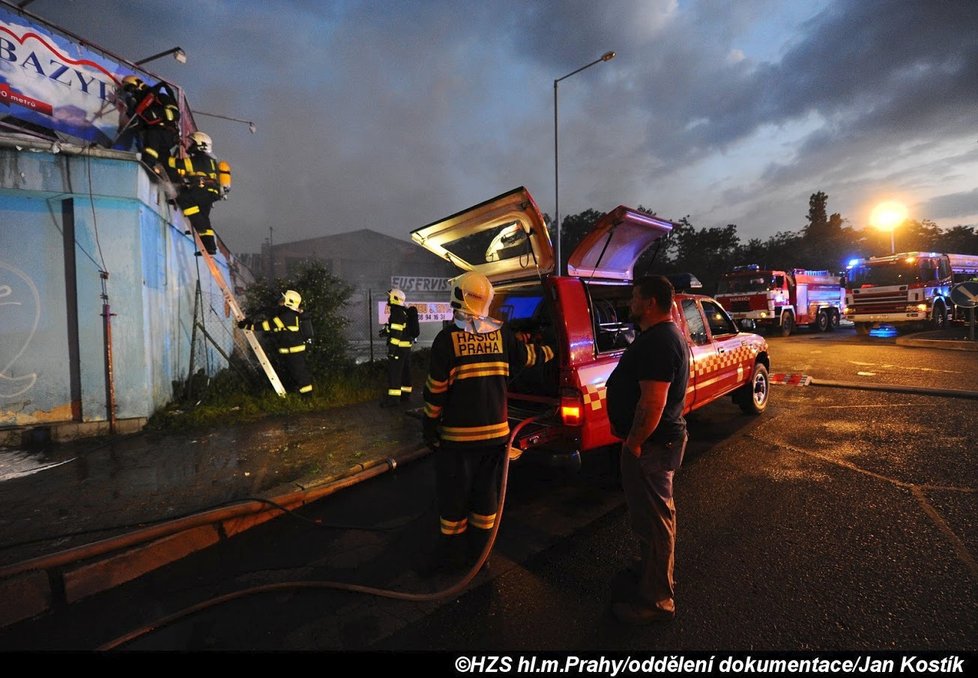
{"points": [[694, 322], [720, 323]]}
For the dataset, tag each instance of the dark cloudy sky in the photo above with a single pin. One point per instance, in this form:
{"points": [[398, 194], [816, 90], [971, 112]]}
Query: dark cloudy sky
{"points": [[389, 114]]}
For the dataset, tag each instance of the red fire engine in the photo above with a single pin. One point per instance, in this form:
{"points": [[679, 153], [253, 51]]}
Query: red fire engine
{"points": [[782, 299], [911, 288], [584, 317]]}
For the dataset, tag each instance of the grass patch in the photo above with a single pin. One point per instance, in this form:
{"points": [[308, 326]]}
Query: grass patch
{"points": [[232, 397]]}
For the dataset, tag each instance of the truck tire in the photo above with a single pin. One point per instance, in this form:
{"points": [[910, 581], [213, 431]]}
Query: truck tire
{"points": [[834, 320], [822, 321], [939, 317], [787, 323], [752, 396]]}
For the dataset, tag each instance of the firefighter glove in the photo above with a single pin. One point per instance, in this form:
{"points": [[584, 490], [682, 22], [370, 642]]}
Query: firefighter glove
{"points": [[429, 433]]}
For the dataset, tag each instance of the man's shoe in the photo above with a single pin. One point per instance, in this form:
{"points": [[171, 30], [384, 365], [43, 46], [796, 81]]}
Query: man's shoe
{"points": [[636, 615]]}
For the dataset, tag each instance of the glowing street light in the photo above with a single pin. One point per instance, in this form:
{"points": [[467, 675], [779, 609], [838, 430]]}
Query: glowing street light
{"points": [[887, 216]]}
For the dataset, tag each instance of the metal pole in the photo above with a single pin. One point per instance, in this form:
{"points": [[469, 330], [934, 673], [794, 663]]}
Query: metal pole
{"points": [[971, 325], [607, 56], [556, 182], [892, 242], [370, 323], [109, 379]]}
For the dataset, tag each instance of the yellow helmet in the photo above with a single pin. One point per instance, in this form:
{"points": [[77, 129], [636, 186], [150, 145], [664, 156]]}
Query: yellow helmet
{"points": [[472, 294], [131, 83], [291, 299], [396, 297]]}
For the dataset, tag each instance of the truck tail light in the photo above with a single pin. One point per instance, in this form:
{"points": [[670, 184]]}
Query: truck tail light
{"points": [[571, 407]]}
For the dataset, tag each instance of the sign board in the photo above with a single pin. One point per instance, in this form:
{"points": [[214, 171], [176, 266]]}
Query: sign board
{"points": [[58, 82], [965, 294], [428, 311], [409, 284]]}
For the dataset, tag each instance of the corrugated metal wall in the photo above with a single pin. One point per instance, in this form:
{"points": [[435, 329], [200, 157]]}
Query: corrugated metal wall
{"points": [[65, 218]]}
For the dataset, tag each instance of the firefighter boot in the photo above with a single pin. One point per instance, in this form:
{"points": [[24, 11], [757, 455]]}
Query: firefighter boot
{"points": [[446, 556], [476, 541]]}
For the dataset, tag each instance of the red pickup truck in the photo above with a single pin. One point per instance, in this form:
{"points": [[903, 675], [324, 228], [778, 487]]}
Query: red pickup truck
{"points": [[584, 316]]}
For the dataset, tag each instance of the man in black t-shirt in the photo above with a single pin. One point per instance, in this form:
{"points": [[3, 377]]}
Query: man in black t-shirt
{"points": [[646, 398]]}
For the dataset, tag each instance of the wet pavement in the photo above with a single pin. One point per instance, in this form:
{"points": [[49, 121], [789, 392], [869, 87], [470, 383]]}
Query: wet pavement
{"points": [[88, 490], [71, 495]]}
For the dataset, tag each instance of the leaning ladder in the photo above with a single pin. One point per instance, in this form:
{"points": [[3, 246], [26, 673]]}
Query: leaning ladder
{"points": [[239, 315]]}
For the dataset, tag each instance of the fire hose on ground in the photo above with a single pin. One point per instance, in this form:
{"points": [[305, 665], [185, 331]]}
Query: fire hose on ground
{"points": [[450, 592]]}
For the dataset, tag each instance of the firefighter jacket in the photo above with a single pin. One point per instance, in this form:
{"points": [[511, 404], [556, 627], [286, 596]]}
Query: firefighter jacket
{"points": [[467, 382], [396, 330], [285, 327], [199, 170], [154, 106]]}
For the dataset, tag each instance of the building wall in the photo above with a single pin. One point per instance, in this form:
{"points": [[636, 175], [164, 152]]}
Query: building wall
{"points": [[65, 218]]}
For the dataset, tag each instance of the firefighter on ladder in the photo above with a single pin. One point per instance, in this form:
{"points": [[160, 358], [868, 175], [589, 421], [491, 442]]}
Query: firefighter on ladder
{"points": [[286, 327], [465, 415], [399, 344], [154, 113], [205, 181]]}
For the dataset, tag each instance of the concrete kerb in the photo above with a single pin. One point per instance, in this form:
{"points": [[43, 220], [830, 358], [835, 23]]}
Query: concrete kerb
{"points": [[35, 586], [946, 344], [896, 388]]}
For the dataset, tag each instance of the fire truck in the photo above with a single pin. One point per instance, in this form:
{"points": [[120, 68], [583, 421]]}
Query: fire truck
{"points": [[584, 317], [910, 289], [782, 300]]}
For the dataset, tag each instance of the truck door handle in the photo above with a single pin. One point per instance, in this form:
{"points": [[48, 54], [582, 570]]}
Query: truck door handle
{"points": [[721, 350]]}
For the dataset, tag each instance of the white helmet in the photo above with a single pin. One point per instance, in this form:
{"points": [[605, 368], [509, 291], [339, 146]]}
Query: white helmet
{"points": [[291, 299], [201, 141], [396, 297], [472, 294]]}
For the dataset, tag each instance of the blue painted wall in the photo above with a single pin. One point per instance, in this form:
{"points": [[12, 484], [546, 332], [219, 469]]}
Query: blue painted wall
{"points": [[123, 225]]}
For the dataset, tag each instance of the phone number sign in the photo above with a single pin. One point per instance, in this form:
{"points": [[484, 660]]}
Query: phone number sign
{"points": [[428, 311]]}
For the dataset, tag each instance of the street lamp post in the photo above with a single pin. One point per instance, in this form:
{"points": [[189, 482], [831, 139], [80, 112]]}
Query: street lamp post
{"points": [[607, 56], [177, 53]]}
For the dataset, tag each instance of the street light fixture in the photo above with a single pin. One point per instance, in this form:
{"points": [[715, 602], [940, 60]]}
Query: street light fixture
{"points": [[607, 56], [177, 53], [887, 216], [251, 126]]}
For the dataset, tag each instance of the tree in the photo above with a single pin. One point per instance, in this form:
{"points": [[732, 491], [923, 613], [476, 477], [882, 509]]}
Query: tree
{"points": [[323, 299], [817, 221], [572, 232]]}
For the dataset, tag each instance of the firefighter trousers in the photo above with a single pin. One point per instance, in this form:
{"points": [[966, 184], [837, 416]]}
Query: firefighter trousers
{"points": [[196, 205], [467, 481], [399, 373], [299, 376]]}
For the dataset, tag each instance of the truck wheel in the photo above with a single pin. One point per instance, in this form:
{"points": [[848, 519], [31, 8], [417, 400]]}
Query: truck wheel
{"points": [[834, 320], [939, 318], [752, 396], [787, 324], [862, 329], [822, 321]]}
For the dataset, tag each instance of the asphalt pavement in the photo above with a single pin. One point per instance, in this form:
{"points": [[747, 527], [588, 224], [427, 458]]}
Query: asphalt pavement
{"points": [[80, 518]]}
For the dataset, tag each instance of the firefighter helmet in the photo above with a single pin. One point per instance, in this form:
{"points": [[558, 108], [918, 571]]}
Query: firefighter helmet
{"points": [[131, 83], [200, 141], [291, 299], [472, 294], [396, 297]]}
